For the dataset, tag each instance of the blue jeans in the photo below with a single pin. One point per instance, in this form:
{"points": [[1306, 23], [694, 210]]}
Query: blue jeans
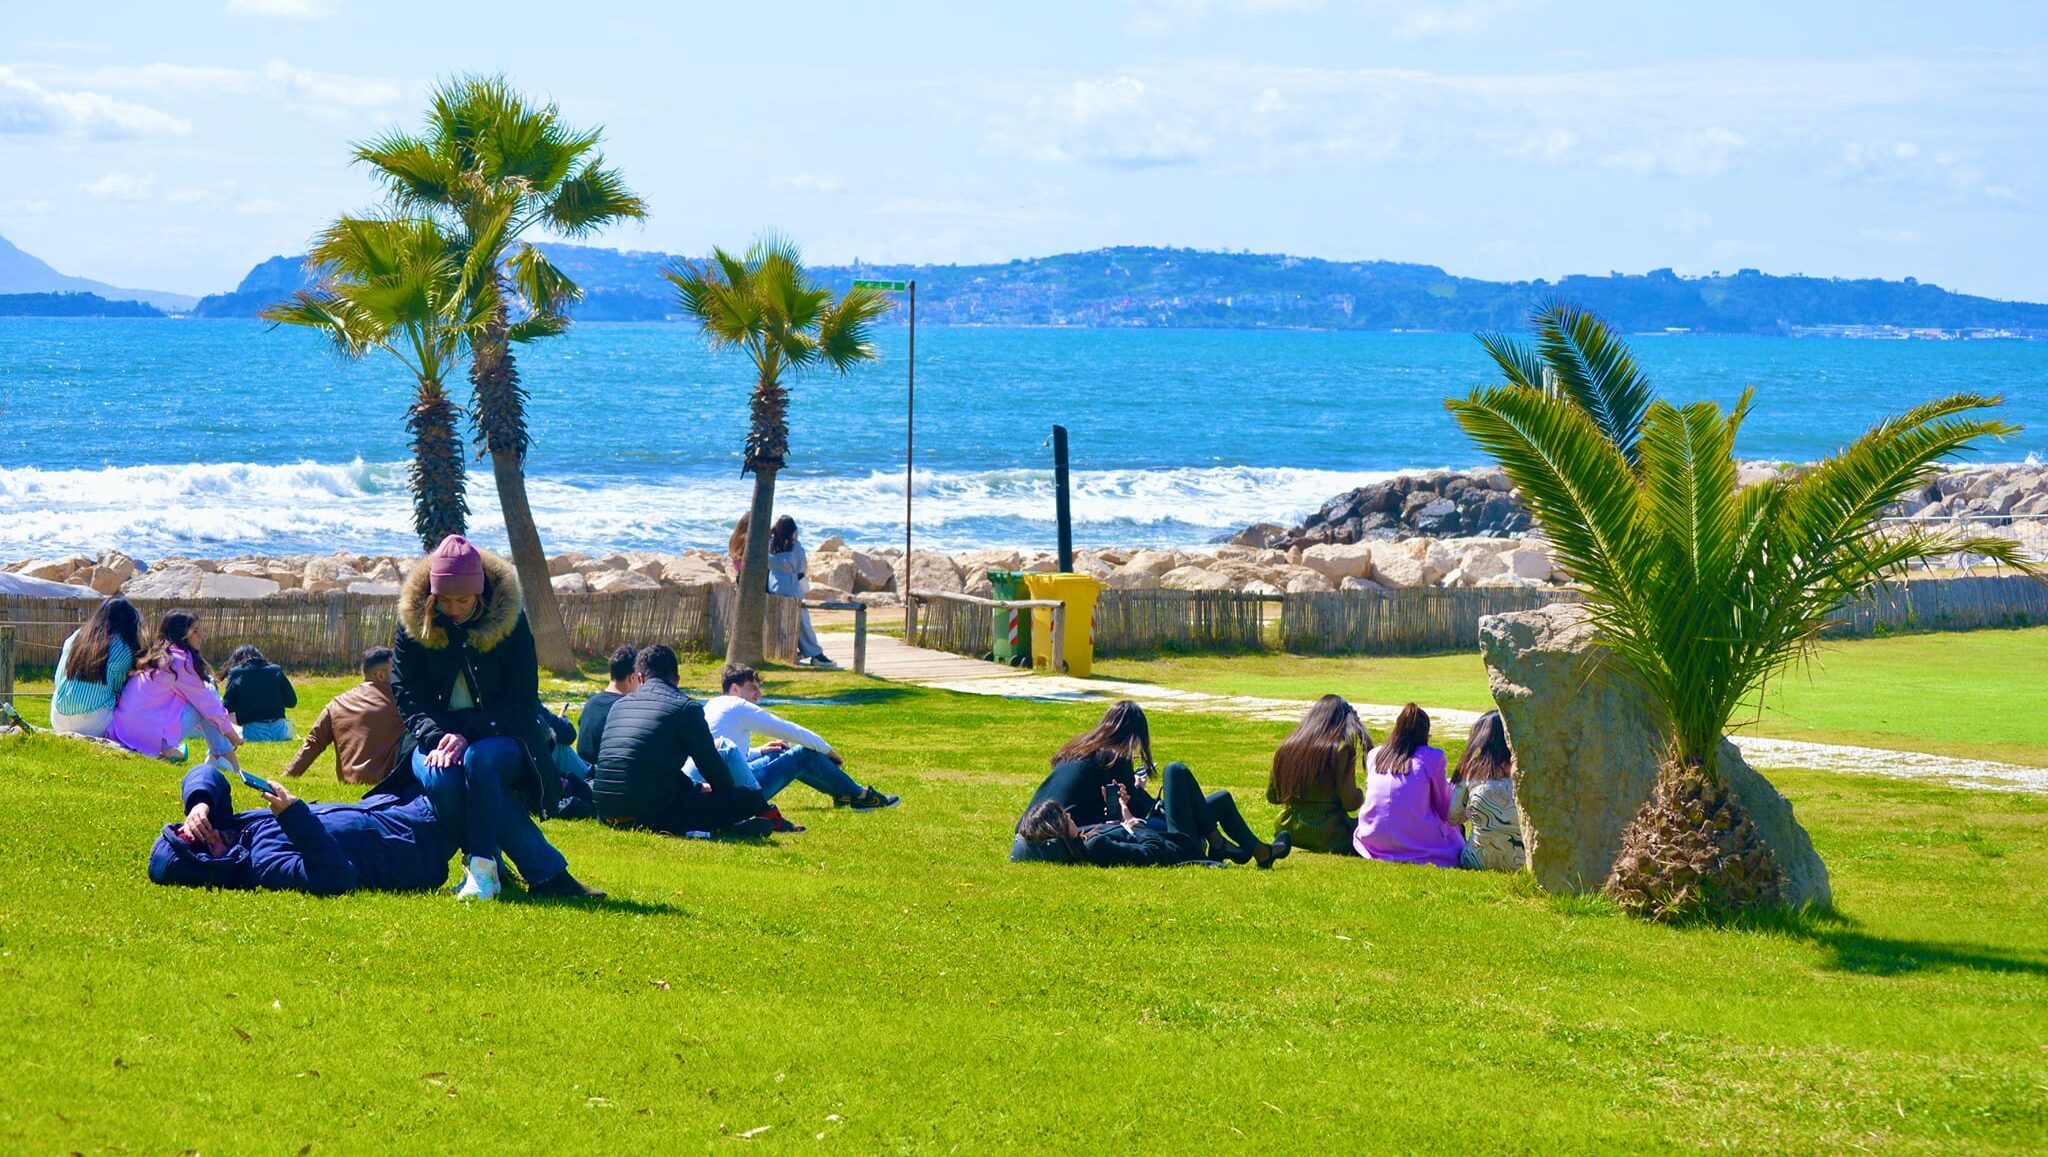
{"points": [[568, 763], [777, 771], [474, 801], [197, 726], [268, 731]]}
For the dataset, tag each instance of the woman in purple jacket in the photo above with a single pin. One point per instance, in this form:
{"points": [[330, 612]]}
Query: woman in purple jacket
{"points": [[1407, 812]]}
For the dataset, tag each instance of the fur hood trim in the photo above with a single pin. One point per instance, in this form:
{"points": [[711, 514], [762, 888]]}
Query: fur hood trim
{"points": [[502, 605]]}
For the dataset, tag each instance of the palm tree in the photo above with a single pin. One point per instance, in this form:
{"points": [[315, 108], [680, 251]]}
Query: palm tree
{"points": [[1703, 588], [393, 284], [765, 304], [489, 167]]}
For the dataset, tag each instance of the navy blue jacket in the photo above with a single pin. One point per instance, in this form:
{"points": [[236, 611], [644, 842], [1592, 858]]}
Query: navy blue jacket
{"points": [[390, 842]]}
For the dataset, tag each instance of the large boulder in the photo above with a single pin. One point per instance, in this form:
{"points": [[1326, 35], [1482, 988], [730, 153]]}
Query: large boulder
{"points": [[833, 569], [21, 584], [54, 570], [610, 580], [175, 580], [1196, 578], [931, 571], [872, 573], [1144, 570], [690, 570], [1339, 561], [1586, 745]]}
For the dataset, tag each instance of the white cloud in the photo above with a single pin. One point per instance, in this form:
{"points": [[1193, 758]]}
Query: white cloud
{"points": [[119, 186], [286, 9], [329, 96], [827, 183], [28, 108]]}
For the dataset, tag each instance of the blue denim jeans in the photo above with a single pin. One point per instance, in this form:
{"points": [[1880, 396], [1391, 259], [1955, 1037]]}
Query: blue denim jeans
{"points": [[777, 771], [197, 726], [473, 801], [269, 731]]}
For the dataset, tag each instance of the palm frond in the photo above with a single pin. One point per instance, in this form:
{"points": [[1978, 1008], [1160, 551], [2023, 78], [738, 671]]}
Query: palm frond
{"points": [[1593, 367]]}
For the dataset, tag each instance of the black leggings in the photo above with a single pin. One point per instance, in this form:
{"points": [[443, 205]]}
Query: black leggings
{"points": [[1212, 818]]}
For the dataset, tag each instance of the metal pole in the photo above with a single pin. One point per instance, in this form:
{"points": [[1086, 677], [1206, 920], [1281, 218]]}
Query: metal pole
{"points": [[909, 469], [1062, 508]]}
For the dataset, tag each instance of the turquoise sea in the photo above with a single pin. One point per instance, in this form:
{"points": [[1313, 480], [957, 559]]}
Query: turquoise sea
{"points": [[160, 436]]}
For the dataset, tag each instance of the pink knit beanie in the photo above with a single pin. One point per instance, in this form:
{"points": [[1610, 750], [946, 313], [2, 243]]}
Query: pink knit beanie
{"points": [[455, 568]]}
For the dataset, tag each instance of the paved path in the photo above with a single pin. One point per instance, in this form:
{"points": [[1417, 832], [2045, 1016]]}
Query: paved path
{"points": [[890, 659]]}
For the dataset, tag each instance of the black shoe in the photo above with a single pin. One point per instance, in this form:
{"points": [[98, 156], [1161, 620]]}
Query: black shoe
{"points": [[1283, 843], [562, 885], [747, 829], [869, 801]]}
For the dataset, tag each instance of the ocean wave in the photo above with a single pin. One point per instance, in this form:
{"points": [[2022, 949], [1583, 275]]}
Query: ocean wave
{"points": [[236, 507]]}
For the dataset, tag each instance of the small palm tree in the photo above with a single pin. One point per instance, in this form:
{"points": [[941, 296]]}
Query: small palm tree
{"points": [[394, 284], [765, 304], [1705, 589], [489, 167]]}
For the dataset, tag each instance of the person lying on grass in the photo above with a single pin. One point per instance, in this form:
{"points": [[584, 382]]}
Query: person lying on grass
{"points": [[393, 841], [649, 735], [1095, 773], [793, 753], [1187, 826]]}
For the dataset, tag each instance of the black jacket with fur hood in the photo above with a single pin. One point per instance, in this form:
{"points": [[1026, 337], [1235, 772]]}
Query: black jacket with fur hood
{"points": [[494, 652]]}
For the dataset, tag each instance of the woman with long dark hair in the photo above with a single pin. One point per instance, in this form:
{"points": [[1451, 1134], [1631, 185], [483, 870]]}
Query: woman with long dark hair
{"points": [[1315, 777], [1406, 817], [170, 698], [93, 667], [788, 577], [1483, 797], [1186, 826], [257, 694], [1093, 770]]}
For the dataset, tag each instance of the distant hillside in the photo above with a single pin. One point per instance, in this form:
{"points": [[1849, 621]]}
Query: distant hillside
{"points": [[24, 273], [1187, 288], [72, 305]]}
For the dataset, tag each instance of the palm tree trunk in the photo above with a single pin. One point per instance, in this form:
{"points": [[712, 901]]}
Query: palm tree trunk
{"points": [[440, 504], [750, 617], [500, 415]]}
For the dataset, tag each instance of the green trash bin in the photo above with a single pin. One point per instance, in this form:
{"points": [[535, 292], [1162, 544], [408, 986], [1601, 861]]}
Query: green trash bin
{"points": [[1009, 629]]}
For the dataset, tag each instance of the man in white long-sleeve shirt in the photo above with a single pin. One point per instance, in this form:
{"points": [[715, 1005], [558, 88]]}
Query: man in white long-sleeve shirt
{"points": [[792, 753]]}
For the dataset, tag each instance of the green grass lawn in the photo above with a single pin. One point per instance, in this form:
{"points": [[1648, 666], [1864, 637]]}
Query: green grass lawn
{"points": [[1981, 694], [887, 982]]}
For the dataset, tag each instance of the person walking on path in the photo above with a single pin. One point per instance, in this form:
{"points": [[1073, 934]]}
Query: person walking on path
{"points": [[170, 698], [1407, 812], [1315, 777], [789, 577], [793, 754], [467, 683], [257, 693], [93, 667], [590, 724], [639, 781], [363, 726]]}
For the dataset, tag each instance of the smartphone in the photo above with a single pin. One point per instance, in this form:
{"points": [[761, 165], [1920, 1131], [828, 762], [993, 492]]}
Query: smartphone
{"points": [[255, 781]]}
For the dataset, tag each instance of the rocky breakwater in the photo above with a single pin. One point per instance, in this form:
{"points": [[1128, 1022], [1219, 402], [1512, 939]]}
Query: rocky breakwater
{"points": [[1432, 504]]}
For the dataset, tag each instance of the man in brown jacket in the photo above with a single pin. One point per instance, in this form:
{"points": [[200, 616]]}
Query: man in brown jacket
{"points": [[363, 726]]}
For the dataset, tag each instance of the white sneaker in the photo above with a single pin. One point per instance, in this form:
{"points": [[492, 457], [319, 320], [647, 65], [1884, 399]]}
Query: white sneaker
{"points": [[479, 879]]}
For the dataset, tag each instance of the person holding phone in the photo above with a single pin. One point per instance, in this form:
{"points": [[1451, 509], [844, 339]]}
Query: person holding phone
{"points": [[1094, 770], [392, 841], [1187, 826]]}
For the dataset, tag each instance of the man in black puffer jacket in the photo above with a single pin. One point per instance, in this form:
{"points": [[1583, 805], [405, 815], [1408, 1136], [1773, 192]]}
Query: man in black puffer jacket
{"points": [[639, 779]]}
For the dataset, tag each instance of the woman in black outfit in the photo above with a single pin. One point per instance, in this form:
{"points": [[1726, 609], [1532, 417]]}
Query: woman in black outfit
{"points": [[1088, 772], [1184, 827], [257, 693]]}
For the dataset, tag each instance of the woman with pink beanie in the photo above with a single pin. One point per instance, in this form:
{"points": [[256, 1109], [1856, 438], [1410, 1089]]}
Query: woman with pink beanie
{"points": [[468, 683]]}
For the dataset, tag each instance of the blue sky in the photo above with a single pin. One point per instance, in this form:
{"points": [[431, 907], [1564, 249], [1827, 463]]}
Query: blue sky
{"points": [[171, 146]]}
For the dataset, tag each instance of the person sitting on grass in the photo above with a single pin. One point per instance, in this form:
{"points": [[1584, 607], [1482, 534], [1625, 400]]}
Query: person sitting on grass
{"points": [[257, 695], [93, 667], [363, 726], [467, 682], [649, 735], [793, 753], [170, 699], [393, 841], [1088, 771], [1483, 797], [1315, 777], [1187, 826], [1407, 813], [590, 724]]}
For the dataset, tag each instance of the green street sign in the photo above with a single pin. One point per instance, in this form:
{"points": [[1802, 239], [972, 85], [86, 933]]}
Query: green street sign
{"points": [[891, 286]]}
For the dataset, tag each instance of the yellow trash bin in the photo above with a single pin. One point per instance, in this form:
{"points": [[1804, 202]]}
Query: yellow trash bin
{"points": [[1079, 592]]}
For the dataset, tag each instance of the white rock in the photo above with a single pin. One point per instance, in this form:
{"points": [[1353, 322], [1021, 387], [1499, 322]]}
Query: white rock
{"points": [[371, 587], [233, 586], [570, 583], [1261, 587], [1195, 578], [1394, 565], [1532, 565], [1336, 561], [566, 563], [606, 581], [833, 543], [872, 573], [178, 580], [931, 571], [1354, 583], [687, 571], [12, 583], [54, 570], [833, 569], [1144, 569]]}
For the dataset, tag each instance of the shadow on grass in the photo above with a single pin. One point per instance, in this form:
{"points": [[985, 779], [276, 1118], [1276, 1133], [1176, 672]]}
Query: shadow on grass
{"points": [[852, 697], [1850, 950], [616, 904]]}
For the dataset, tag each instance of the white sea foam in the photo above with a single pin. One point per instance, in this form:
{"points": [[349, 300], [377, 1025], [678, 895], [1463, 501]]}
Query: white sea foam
{"points": [[309, 506]]}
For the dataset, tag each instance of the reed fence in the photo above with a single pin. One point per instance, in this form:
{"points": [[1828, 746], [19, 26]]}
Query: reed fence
{"points": [[1142, 622], [955, 627], [6, 664], [1423, 620], [1965, 603]]}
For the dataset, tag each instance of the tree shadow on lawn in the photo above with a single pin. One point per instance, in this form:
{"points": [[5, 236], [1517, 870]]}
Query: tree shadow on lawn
{"points": [[618, 904], [1850, 950]]}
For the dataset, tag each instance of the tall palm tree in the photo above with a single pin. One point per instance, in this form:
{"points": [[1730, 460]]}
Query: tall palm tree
{"points": [[394, 284], [765, 304], [488, 167], [1704, 588]]}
